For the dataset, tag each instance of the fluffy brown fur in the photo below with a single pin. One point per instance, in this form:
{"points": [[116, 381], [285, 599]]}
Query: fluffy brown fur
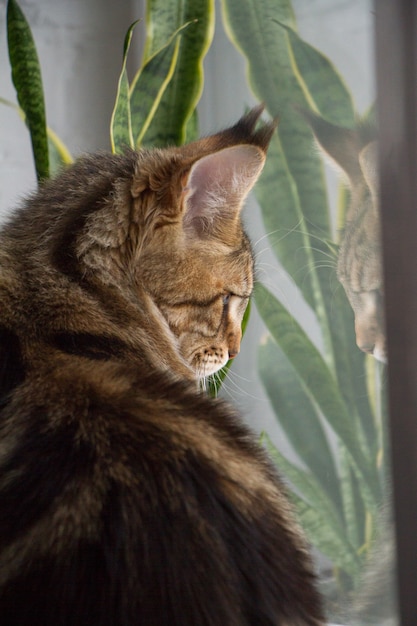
{"points": [[127, 497]]}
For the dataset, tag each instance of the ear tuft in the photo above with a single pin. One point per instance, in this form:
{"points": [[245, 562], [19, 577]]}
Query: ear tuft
{"points": [[342, 145], [217, 185], [247, 130]]}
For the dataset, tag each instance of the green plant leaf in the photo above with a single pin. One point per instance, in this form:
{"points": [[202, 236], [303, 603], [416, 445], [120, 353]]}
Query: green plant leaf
{"points": [[150, 83], [299, 417], [59, 154], [353, 506], [192, 129], [277, 194], [323, 535], [26, 75], [251, 28], [323, 87], [317, 381], [170, 122], [121, 124], [317, 515]]}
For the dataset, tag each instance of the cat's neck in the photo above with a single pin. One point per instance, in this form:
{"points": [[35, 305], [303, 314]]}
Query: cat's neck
{"points": [[132, 329]]}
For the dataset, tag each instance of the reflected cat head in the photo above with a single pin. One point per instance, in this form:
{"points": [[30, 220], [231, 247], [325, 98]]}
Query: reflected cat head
{"points": [[359, 266]]}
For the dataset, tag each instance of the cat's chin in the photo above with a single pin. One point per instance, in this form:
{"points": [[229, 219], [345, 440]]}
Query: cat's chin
{"points": [[208, 361], [206, 370]]}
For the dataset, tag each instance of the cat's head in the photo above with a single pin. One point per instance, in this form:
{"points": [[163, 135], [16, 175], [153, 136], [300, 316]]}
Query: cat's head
{"points": [[158, 235], [359, 266], [198, 265]]}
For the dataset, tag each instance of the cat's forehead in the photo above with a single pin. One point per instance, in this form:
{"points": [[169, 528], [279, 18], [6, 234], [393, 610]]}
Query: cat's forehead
{"points": [[200, 275]]}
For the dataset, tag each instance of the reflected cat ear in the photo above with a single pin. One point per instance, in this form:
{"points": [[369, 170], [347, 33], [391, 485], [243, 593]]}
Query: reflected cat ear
{"points": [[217, 185], [342, 145]]}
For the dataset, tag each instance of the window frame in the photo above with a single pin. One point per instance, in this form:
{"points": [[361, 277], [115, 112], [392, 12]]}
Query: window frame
{"points": [[396, 58]]}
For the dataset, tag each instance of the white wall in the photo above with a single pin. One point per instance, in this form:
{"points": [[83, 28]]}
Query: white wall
{"points": [[80, 45]]}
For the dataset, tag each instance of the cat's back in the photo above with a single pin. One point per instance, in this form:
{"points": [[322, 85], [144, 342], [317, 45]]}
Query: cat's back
{"points": [[120, 503]]}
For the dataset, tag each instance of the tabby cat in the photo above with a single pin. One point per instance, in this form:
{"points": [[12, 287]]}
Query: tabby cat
{"points": [[359, 270], [359, 266], [127, 496]]}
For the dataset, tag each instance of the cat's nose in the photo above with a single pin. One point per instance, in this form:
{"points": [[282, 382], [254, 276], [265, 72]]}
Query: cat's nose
{"points": [[233, 342], [370, 336], [234, 349]]}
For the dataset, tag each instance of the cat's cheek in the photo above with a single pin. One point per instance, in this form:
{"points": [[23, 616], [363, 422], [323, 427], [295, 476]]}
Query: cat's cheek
{"points": [[204, 359], [209, 360]]}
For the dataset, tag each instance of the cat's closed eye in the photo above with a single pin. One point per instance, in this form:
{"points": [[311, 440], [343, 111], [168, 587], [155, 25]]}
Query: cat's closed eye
{"points": [[226, 299]]}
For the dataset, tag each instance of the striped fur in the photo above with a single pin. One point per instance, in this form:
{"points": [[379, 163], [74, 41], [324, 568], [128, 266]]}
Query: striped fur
{"points": [[127, 497]]}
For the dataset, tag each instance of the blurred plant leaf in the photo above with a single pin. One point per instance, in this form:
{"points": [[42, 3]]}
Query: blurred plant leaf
{"points": [[191, 129], [26, 76], [323, 87], [277, 194], [353, 507], [298, 416], [121, 124], [170, 124], [318, 381], [319, 518], [59, 154]]}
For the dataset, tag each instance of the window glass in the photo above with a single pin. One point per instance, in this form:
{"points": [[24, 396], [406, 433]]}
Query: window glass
{"points": [[311, 377]]}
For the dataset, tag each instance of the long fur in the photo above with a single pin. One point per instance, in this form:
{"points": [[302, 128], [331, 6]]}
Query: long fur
{"points": [[128, 497]]}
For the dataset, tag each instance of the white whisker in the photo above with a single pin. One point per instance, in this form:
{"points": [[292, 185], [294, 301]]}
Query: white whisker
{"points": [[231, 388], [274, 232]]}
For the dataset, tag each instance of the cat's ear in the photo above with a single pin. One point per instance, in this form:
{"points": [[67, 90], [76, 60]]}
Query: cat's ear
{"points": [[216, 186], [342, 145], [368, 159]]}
